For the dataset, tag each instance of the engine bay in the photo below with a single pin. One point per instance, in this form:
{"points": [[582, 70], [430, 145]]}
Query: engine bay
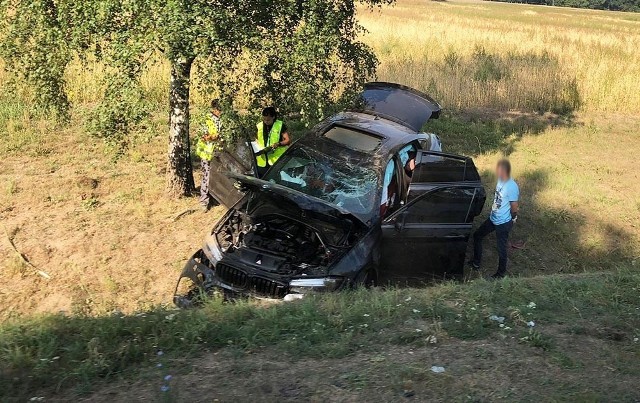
{"points": [[293, 246]]}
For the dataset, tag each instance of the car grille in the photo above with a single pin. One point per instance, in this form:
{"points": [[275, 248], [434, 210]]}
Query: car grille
{"points": [[231, 275], [239, 278]]}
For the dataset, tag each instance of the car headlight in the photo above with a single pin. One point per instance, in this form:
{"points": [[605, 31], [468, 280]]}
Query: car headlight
{"points": [[303, 285], [211, 249]]}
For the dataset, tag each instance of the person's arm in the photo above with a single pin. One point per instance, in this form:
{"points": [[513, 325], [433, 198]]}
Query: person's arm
{"points": [[286, 140], [209, 136], [514, 210]]}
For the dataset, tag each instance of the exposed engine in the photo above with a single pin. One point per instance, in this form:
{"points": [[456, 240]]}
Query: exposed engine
{"points": [[295, 246]]}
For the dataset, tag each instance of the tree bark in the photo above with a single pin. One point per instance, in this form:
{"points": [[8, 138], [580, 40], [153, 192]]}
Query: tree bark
{"points": [[179, 170]]}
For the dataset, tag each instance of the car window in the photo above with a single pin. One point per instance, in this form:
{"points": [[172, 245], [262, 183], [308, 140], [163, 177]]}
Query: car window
{"points": [[443, 206], [353, 139], [437, 167], [352, 187]]}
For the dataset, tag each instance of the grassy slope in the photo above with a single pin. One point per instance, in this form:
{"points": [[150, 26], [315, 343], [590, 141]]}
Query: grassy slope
{"points": [[585, 326], [104, 232]]}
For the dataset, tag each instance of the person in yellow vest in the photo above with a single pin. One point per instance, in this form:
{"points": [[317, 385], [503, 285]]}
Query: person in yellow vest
{"points": [[273, 136], [209, 142]]}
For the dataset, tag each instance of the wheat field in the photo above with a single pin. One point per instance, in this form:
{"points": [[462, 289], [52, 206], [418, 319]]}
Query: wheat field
{"points": [[510, 56]]}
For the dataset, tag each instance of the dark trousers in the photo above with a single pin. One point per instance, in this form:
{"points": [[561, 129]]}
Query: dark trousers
{"points": [[205, 198], [502, 236]]}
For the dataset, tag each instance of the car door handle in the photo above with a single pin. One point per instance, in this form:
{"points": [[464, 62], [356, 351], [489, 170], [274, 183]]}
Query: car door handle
{"points": [[453, 236]]}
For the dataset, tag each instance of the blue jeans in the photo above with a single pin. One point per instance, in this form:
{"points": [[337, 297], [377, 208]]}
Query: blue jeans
{"points": [[502, 236]]}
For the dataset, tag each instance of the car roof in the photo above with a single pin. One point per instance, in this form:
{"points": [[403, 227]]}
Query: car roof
{"points": [[392, 135]]}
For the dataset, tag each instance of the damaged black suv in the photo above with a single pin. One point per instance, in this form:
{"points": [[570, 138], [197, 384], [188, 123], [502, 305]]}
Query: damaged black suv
{"points": [[361, 199]]}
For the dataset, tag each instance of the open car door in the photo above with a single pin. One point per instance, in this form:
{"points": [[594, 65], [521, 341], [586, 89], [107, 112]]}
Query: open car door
{"points": [[398, 103], [427, 238], [238, 160]]}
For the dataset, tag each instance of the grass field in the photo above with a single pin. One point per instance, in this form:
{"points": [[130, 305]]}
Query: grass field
{"points": [[555, 89], [511, 56]]}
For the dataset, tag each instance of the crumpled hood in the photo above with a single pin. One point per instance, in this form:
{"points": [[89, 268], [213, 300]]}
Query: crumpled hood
{"points": [[302, 200]]}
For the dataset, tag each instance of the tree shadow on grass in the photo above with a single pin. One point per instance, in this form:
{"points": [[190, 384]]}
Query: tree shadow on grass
{"points": [[473, 132], [556, 240]]}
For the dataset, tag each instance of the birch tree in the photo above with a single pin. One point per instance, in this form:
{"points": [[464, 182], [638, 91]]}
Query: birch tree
{"points": [[303, 54]]}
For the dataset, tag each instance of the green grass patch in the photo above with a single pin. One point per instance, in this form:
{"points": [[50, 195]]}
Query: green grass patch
{"points": [[62, 352]]}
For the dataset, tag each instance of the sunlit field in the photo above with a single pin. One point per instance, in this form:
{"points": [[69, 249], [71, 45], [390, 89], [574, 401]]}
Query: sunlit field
{"points": [[511, 56]]}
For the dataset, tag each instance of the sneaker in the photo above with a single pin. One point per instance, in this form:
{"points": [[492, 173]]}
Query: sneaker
{"points": [[474, 265], [497, 276]]}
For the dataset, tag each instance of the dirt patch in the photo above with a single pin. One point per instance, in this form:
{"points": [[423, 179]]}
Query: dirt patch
{"points": [[104, 231]]}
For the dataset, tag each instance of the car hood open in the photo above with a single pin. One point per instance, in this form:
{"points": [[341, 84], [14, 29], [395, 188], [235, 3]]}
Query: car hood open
{"points": [[302, 200]]}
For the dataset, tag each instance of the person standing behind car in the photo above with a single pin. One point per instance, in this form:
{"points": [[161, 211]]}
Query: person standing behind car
{"points": [[504, 213], [209, 142], [272, 135]]}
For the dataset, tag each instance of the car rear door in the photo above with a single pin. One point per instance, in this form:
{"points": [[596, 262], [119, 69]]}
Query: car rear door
{"points": [[427, 238]]}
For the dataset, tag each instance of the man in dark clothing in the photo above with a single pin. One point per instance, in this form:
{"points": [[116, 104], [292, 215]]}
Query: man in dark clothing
{"points": [[272, 137], [504, 213]]}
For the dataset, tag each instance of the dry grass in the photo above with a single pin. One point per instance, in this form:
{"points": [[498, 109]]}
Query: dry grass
{"points": [[538, 52]]}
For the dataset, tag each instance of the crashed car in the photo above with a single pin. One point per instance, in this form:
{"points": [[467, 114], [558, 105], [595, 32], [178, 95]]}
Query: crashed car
{"points": [[361, 199]]}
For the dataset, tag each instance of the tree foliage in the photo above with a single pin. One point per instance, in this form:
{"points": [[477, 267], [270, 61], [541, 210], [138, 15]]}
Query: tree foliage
{"points": [[301, 55]]}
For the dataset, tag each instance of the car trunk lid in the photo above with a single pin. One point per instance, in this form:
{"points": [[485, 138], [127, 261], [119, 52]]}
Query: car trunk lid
{"points": [[398, 103]]}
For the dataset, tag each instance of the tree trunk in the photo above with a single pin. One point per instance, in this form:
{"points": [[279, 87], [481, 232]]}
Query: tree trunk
{"points": [[179, 170]]}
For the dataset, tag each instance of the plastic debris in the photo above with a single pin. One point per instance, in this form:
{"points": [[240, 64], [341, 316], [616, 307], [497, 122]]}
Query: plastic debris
{"points": [[416, 310], [168, 378], [531, 323], [366, 315], [164, 388], [407, 299], [437, 370], [292, 297], [499, 319], [418, 330], [531, 305]]}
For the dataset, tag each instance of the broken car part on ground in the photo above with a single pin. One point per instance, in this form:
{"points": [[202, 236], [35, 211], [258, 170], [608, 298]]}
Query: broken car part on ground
{"points": [[360, 199]]}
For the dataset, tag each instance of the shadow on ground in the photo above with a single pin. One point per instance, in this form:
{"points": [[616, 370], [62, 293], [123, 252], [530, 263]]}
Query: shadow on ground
{"points": [[478, 131], [556, 240]]}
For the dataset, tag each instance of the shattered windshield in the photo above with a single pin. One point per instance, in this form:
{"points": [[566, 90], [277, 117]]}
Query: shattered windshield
{"points": [[344, 184]]}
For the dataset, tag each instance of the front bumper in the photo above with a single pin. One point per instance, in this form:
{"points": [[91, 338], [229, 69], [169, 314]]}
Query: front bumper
{"points": [[235, 281]]}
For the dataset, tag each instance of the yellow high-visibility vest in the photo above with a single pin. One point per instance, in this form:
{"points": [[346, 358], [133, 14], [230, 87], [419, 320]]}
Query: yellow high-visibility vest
{"points": [[205, 149], [274, 137]]}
